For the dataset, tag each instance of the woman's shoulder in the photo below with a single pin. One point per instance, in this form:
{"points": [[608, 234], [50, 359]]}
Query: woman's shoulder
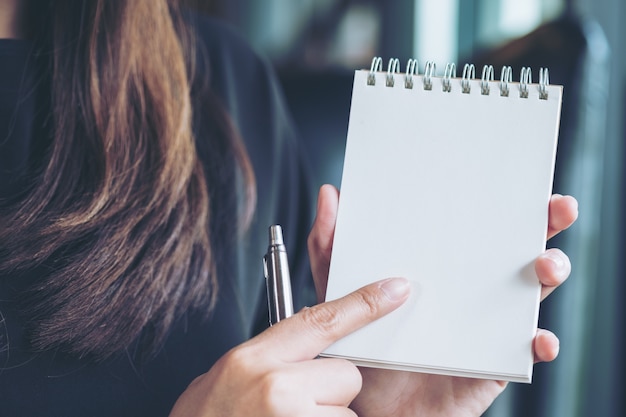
{"points": [[217, 34], [225, 50], [240, 76]]}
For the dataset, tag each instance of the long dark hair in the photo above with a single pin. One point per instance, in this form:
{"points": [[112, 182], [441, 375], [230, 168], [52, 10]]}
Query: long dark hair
{"points": [[119, 215]]}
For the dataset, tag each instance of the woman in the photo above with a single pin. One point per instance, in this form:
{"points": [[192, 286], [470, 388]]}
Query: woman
{"points": [[129, 247]]}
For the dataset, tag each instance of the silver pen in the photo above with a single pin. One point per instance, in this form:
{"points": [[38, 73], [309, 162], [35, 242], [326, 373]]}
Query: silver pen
{"points": [[277, 279]]}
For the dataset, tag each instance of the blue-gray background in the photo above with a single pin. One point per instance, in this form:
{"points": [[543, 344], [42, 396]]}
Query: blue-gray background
{"points": [[316, 44]]}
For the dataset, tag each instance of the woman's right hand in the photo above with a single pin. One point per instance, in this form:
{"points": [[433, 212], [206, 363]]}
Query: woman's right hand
{"points": [[276, 373]]}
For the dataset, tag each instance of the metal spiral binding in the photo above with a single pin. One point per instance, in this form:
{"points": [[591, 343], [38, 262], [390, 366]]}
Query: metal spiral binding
{"points": [[377, 65], [506, 77], [412, 68], [484, 81], [544, 81], [392, 68], [429, 72], [526, 78], [469, 73], [447, 76]]}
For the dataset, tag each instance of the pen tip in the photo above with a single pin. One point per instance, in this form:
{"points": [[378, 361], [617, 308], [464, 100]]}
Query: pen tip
{"points": [[276, 235]]}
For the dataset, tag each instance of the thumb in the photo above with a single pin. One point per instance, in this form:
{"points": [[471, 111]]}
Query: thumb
{"points": [[320, 240], [304, 335]]}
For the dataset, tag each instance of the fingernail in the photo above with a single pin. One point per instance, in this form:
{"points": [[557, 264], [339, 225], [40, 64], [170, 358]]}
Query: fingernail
{"points": [[556, 260], [556, 345], [395, 289]]}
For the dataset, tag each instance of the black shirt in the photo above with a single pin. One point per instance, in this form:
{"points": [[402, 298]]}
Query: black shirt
{"points": [[53, 383]]}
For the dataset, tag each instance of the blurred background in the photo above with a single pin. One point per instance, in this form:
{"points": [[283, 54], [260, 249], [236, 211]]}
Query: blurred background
{"points": [[315, 45]]}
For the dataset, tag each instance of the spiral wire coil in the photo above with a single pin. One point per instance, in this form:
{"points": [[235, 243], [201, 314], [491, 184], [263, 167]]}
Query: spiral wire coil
{"points": [[469, 74]]}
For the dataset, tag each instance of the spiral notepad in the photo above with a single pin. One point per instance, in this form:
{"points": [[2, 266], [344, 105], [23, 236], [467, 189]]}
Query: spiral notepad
{"points": [[446, 182]]}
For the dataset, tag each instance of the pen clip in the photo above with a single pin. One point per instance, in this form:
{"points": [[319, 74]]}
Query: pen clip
{"points": [[265, 271]]}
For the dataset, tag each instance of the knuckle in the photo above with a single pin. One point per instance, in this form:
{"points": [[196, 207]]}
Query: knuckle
{"points": [[324, 319], [274, 388], [313, 236], [368, 301], [197, 382], [271, 386], [274, 385], [332, 319], [239, 359]]}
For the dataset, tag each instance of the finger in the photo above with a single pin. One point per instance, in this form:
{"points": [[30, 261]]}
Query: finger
{"points": [[553, 268], [563, 211], [546, 346], [321, 237], [331, 381], [334, 411], [304, 335]]}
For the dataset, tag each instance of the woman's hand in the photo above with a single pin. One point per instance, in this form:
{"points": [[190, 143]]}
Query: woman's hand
{"points": [[276, 374], [397, 394]]}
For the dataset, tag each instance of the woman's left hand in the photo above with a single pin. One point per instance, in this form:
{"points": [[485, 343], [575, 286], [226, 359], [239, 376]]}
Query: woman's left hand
{"points": [[396, 393]]}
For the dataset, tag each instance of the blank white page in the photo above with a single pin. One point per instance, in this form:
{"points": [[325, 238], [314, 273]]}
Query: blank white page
{"points": [[451, 191]]}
